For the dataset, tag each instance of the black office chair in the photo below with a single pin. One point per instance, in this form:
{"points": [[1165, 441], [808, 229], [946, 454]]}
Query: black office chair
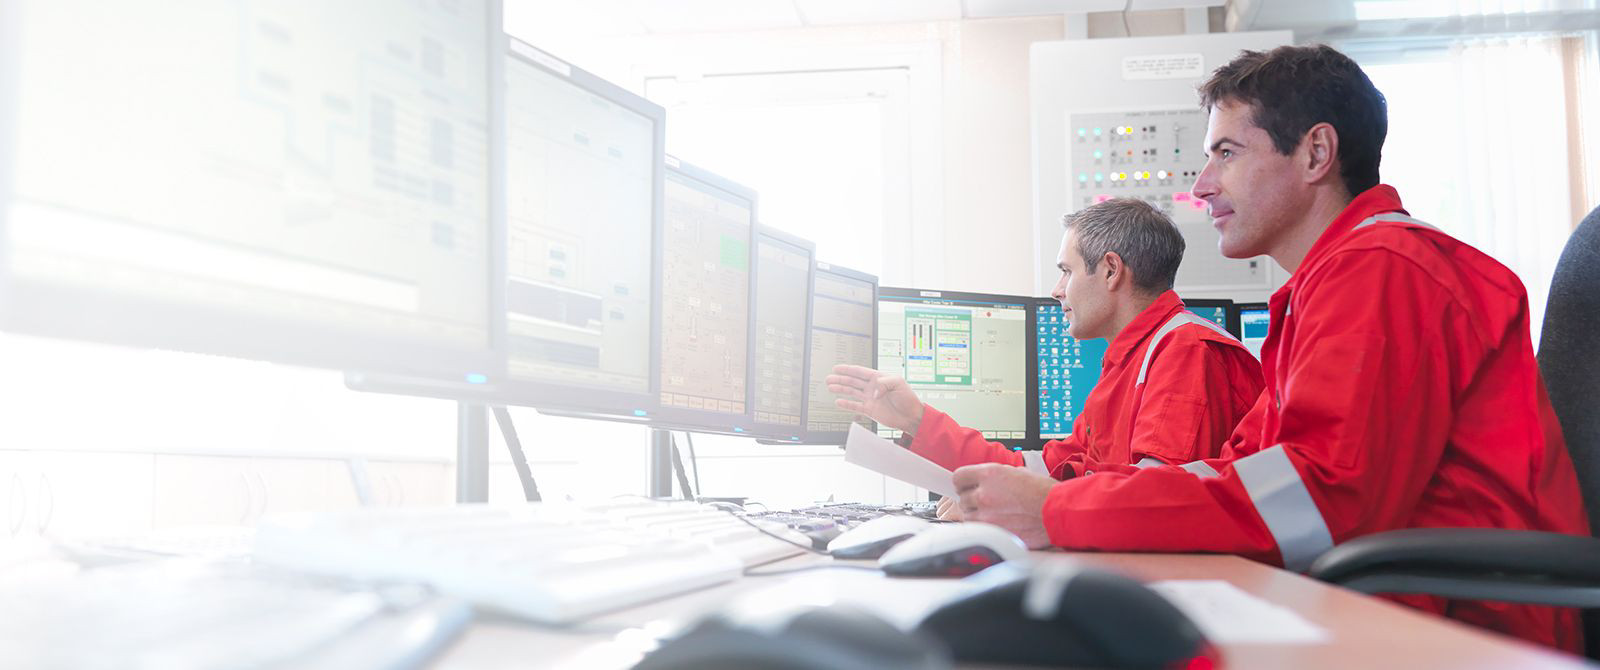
{"points": [[1505, 565]]}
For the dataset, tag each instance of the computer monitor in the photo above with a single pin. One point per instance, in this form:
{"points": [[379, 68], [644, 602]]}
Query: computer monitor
{"points": [[1254, 319], [966, 354], [780, 350], [1220, 312], [844, 330], [707, 290], [1068, 369], [581, 248], [277, 181]]}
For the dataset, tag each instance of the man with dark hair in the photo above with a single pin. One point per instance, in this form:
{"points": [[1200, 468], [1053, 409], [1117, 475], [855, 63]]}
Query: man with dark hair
{"points": [[1172, 384], [1402, 390]]}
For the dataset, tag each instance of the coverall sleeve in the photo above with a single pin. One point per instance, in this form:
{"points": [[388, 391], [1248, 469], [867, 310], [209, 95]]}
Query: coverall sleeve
{"points": [[941, 440], [1365, 415]]}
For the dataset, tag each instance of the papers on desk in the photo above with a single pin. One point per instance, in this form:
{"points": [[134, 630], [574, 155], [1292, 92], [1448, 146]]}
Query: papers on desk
{"points": [[866, 449], [1228, 615]]}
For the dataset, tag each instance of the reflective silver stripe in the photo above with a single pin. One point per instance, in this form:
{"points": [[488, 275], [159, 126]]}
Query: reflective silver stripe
{"points": [[1199, 468], [1148, 462], [1285, 505], [1034, 461], [1393, 217], [1181, 318]]}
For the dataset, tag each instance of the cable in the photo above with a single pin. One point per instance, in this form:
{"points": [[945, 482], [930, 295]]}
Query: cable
{"points": [[1126, 5], [530, 489], [693, 460], [776, 536], [808, 568]]}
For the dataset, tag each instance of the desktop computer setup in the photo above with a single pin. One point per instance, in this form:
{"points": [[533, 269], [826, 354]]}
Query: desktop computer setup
{"points": [[442, 211]]}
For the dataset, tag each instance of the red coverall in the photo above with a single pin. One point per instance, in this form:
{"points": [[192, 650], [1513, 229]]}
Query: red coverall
{"points": [[1402, 392], [1172, 386]]}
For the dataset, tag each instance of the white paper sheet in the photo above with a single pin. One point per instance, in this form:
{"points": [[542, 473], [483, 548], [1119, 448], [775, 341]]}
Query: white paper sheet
{"points": [[866, 449], [1228, 615]]}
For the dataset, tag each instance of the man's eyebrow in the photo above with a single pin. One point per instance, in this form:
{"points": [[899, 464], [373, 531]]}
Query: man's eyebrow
{"points": [[1218, 144], [1061, 266]]}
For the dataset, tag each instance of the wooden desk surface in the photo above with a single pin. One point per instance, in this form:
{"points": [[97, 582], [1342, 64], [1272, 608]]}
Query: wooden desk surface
{"points": [[1364, 632]]}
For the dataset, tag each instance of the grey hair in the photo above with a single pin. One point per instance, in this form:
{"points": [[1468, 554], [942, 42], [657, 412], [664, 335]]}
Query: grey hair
{"points": [[1147, 240]]}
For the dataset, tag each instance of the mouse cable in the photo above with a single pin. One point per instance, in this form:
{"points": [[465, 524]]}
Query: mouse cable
{"points": [[776, 536], [808, 568]]}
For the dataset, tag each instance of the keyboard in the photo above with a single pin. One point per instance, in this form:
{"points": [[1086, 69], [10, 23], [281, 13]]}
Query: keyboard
{"points": [[858, 512], [546, 562], [824, 522], [193, 614]]}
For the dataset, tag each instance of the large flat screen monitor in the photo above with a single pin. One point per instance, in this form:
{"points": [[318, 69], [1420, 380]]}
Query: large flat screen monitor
{"points": [[707, 286], [781, 347], [1069, 368], [293, 181], [966, 354], [844, 330], [578, 310]]}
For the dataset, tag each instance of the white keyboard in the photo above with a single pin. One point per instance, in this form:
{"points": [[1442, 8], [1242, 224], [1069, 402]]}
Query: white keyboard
{"points": [[549, 562], [177, 614]]}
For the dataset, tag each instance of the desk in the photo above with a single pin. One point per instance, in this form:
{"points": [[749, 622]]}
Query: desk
{"points": [[1365, 632]]}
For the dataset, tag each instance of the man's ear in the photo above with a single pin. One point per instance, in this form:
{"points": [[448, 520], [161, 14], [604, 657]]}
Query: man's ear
{"points": [[1114, 270], [1321, 153]]}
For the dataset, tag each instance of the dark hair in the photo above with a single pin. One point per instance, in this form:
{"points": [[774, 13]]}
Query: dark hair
{"points": [[1148, 242], [1290, 89]]}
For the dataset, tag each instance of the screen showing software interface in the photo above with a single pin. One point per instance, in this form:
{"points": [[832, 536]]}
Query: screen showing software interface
{"points": [[841, 333], [578, 210], [326, 167], [706, 295], [783, 277], [967, 359], [1068, 370], [1254, 323]]}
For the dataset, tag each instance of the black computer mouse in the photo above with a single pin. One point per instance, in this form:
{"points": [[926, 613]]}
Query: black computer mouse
{"points": [[1058, 613], [835, 637]]}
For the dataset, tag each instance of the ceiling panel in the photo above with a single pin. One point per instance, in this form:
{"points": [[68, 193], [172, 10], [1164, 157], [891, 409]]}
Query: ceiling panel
{"points": [[834, 12], [679, 16]]}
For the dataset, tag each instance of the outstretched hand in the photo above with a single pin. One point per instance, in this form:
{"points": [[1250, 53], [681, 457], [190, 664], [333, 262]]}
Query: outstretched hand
{"points": [[887, 399]]}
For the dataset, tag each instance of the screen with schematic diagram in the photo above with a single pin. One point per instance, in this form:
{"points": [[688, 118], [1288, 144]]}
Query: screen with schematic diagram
{"points": [[1155, 156], [965, 354]]}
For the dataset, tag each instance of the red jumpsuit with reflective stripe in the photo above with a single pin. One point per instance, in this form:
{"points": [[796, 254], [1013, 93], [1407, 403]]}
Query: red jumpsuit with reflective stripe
{"points": [[1402, 392], [1197, 382]]}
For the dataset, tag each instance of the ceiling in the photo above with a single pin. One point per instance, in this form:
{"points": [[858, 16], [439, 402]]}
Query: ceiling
{"points": [[637, 17]]}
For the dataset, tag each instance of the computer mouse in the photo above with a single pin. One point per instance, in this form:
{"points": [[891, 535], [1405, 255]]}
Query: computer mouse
{"points": [[873, 537], [953, 550], [834, 637], [1059, 613]]}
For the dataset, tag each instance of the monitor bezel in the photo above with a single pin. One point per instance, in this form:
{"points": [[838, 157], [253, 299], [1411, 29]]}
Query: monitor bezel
{"points": [[693, 420], [1031, 364], [34, 307]]}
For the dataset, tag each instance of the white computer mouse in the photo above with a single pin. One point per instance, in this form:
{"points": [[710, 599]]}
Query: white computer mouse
{"points": [[872, 538], [953, 550]]}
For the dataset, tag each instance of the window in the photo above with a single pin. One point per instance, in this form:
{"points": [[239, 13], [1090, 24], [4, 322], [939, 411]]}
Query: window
{"points": [[827, 151], [1479, 145]]}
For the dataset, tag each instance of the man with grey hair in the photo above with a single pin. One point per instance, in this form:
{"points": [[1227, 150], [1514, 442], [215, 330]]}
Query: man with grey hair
{"points": [[1172, 384]]}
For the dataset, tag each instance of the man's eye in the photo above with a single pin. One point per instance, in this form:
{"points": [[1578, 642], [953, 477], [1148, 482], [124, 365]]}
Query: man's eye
{"points": [[1226, 153]]}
